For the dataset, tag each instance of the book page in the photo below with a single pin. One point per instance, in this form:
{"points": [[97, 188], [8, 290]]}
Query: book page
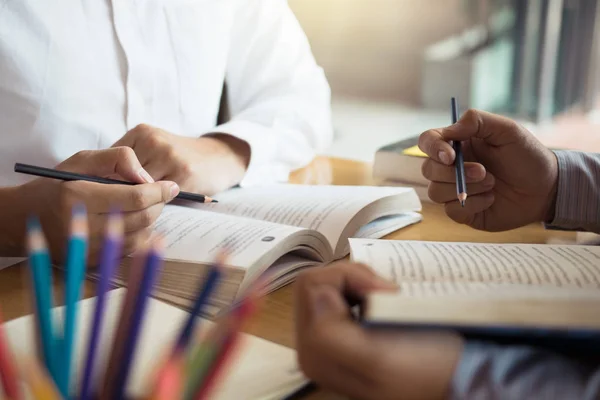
{"points": [[507, 314], [326, 209], [551, 265], [386, 225], [488, 290], [198, 236], [261, 369]]}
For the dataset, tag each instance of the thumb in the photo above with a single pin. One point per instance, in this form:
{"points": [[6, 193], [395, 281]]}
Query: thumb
{"points": [[327, 304], [494, 129], [118, 160]]}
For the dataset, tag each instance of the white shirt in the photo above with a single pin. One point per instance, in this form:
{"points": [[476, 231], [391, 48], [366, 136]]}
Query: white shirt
{"points": [[78, 74]]}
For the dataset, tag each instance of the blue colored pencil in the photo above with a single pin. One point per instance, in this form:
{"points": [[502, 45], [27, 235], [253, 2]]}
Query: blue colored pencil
{"points": [[39, 264], [210, 283], [152, 269], [109, 258], [459, 162], [75, 272]]}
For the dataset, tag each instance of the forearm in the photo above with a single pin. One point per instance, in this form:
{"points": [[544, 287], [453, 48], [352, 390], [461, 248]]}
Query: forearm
{"points": [[577, 204], [283, 112], [493, 371], [12, 223], [233, 157]]}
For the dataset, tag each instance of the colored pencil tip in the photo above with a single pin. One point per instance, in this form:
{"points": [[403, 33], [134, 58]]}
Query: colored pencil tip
{"points": [[79, 222], [462, 203], [79, 209], [158, 245], [114, 210], [33, 223], [221, 258], [114, 226], [213, 201]]}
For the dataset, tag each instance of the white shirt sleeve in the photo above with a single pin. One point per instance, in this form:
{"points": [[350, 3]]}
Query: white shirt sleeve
{"points": [[279, 98]]}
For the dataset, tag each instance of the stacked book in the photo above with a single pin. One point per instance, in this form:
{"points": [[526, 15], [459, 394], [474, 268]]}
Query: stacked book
{"points": [[399, 164]]}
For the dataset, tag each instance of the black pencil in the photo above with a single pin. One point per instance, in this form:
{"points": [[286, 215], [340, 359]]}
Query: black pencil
{"points": [[72, 176], [303, 391], [459, 163]]}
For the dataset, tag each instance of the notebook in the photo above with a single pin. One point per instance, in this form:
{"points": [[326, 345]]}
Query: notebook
{"points": [[543, 294], [272, 231], [263, 370]]}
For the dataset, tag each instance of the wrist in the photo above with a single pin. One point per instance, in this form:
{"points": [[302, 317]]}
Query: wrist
{"points": [[436, 357], [551, 207], [233, 155], [237, 148], [13, 216], [549, 211]]}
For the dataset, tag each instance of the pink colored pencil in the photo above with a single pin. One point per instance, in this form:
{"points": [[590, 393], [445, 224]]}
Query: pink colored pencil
{"points": [[169, 382]]}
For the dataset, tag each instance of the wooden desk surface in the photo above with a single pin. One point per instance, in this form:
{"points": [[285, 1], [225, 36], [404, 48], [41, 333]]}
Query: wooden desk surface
{"points": [[275, 321]]}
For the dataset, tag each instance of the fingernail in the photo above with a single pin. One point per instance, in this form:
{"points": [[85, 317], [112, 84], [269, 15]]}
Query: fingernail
{"points": [[489, 183], [445, 158], [474, 172], [145, 176], [174, 190], [321, 302]]}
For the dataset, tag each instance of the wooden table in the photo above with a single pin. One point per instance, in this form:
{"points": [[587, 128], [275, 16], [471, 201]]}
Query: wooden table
{"points": [[275, 321]]}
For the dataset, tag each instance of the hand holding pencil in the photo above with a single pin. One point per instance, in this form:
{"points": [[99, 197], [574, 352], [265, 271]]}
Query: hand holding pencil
{"points": [[510, 176], [52, 199]]}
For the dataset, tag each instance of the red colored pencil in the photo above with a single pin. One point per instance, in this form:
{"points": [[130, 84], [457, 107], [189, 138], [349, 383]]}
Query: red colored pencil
{"points": [[8, 370]]}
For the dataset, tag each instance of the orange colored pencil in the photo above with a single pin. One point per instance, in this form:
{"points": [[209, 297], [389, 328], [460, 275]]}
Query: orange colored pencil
{"points": [[40, 384], [8, 370]]}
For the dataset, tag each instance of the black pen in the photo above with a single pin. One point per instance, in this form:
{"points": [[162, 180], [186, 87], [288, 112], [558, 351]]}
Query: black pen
{"points": [[459, 163], [72, 176]]}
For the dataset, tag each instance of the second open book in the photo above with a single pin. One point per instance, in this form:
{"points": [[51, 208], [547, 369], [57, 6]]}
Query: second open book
{"points": [[486, 288], [271, 231]]}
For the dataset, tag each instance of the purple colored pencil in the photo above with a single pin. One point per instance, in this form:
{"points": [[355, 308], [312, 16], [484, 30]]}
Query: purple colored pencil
{"points": [[111, 252], [151, 272]]}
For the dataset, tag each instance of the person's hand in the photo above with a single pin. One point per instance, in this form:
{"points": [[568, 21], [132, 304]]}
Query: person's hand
{"points": [[511, 177], [206, 165], [52, 200], [338, 354]]}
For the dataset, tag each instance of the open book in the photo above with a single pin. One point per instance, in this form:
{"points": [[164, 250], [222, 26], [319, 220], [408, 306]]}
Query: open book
{"points": [[271, 231], [263, 370], [497, 290]]}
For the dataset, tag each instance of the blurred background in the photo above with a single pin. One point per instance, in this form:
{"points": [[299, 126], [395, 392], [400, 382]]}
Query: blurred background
{"points": [[394, 64]]}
